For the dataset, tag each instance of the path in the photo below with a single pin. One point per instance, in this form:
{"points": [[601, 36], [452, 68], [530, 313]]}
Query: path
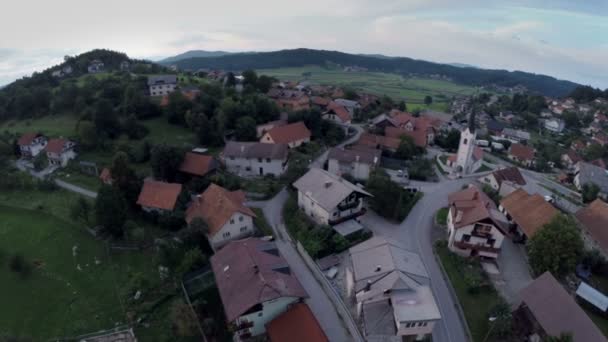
{"points": [[24, 166], [320, 161]]}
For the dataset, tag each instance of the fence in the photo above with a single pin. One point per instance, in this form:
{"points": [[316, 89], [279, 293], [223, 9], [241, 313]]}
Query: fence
{"points": [[335, 298]]}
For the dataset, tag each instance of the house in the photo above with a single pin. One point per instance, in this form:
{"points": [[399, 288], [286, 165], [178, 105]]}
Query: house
{"points": [[292, 100], [158, 197], [570, 158], [600, 162], [196, 164], [338, 114], [60, 151], [601, 138], [593, 220], [96, 66], [297, 324], [265, 127], [294, 135], [497, 177], [31, 144], [320, 101], [475, 226], [124, 66], [247, 159], [356, 163], [391, 288], [522, 154], [225, 214], [162, 84], [554, 125], [381, 122], [495, 127], [379, 142], [577, 145], [546, 309], [329, 199], [515, 135], [350, 105], [421, 137], [255, 283], [106, 176], [526, 213], [587, 173]]}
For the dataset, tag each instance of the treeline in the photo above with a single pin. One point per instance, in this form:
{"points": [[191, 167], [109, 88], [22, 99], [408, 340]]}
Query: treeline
{"points": [[588, 94], [545, 85]]}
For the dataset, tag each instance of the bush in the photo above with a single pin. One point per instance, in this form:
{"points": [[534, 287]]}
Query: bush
{"points": [[18, 264], [390, 199], [421, 169], [47, 185]]}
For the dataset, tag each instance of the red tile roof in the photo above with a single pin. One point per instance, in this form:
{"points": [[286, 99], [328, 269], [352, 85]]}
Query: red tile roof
{"points": [[216, 206], [474, 206], [378, 141], [418, 136], [197, 164], [510, 174], [161, 195], [298, 324], [27, 138], [339, 110], [252, 271], [522, 152], [320, 101], [530, 212], [56, 145], [594, 219], [289, 133]]}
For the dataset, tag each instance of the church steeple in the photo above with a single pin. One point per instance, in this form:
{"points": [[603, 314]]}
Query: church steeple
{"points": [[472, 121]]}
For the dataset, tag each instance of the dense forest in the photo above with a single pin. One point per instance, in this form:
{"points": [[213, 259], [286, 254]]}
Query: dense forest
{"points": [[542, 84], [587, 94]]}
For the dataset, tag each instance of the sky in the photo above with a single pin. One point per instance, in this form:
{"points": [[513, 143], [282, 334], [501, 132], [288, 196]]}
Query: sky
{"points": [[562, 38]]}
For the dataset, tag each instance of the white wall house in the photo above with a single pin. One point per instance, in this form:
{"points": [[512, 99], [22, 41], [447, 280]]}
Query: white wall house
{"points": [[31, 144], [356, 163], [250, 159], [329, 199], [268, 311], [239, 226], [60, 151], [162, 85], [554, 125]]}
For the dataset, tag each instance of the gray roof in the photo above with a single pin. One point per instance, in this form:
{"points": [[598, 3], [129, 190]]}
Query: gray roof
{"points": [[370, 157], [589, 173], [347, 103], [593, 296], [255, 150], [327, 189], [162, 79], [516, 133]]}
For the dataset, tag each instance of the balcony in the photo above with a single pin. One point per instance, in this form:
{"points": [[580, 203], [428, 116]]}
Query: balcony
{"points": [[477, 247], [347, 206], [244, 325]]}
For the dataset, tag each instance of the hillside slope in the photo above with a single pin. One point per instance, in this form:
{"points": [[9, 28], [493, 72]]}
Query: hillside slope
{"points": [[194, 54], [545, 85]]}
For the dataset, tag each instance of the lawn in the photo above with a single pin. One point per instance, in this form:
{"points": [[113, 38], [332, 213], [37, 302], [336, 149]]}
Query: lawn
{"points": [[74, 176], [476, 306], [442, 216], [413, 90], [56, 203], [73, 290], [260, 222], [161, 131], [51, 125]]}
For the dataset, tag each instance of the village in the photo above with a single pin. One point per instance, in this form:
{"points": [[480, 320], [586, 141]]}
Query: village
{"points": [[346, 217]]}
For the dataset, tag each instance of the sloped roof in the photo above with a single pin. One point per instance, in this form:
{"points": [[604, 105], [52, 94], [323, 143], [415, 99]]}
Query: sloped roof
{"points": [[473, 205], [557, 312], [252, 271], [522, 152], [216, 206], [338, 110], [375, 141], [27, 138], [369, 156], [327, 189], [56, 145], [590, 173], [594, 219], [418, 136], [510, 174], [320, 100], [530, 212], [197, 164], [161, 195], [289, 133], [298, 324], [573, 156], [255, 150], [162, 79]]}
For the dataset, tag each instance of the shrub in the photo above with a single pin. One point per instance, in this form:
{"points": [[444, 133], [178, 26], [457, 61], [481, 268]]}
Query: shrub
{"points": [[18, 264], [46, 185]]}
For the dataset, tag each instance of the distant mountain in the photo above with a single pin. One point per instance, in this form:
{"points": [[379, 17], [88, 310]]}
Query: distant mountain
{"points": [[462, 65], [194, 54], [542, 84]]}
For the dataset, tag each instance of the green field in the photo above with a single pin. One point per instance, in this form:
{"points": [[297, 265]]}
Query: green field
{"points": [[412, 90], [68, 292], [51, 125]]}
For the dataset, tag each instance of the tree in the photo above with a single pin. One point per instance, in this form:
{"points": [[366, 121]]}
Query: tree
{"points": [[165, 161], [184, 320], [40, 162], [594, 151], [245, 129], [18, 264], [111, 210], [590, 192], [556, 247], [264, 83], [402, 106], [199, 225], [428, 100], [124, 178], [249, 78], [230, 80], [105, 119], [88, 134], [390, 200], [192, 260], [81, 210], [407, 148], [449, 141], [502, 326]]}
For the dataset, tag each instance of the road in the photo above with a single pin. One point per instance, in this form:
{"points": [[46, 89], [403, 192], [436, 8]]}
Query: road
{"points": [[320, 161], [26, 167]]}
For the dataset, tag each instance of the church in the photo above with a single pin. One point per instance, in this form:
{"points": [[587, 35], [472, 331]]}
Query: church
{"points": [[469, 157]]}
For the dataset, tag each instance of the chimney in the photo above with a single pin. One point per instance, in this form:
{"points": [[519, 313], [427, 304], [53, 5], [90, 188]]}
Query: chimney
{"points": [[327, 184], [368, 286], [375, 160], [378, 268]]}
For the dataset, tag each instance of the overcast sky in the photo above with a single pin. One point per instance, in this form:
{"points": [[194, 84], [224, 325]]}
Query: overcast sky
{"points": [[560, 38]]}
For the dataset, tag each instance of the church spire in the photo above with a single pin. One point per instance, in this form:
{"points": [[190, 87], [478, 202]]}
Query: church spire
{"points": [[472, 121]]}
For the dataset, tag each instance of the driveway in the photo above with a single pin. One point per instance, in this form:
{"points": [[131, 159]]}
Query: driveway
{"points": [[514, 271], [320, 161]]}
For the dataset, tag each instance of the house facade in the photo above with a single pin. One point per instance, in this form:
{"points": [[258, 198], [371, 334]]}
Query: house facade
{"points": [[356, 163], [329, 199], [337, 114], [31, 144], [60, 151], [587, 173], [593, 219], [263, 128], [96, 66], [162, 84], [251, 159], [497, 177], [554, 125]]}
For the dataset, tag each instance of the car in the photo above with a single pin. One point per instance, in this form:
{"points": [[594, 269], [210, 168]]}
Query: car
{"points": [[550, 198]]}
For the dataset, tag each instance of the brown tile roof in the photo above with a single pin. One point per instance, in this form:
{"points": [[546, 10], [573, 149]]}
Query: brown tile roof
{"points": [[378, 141], [161, 195], [474, 206], [298, 324], [418, 136], [252, 271], [522, 152], [339, 110], [216, 205], [557, 312], [511, 174], [197, 164], [368, 156], [401, 118], [320, 101], [530, 212], [56, 145], [573, 156], [27, 138], [289, 133], [594, 219]]}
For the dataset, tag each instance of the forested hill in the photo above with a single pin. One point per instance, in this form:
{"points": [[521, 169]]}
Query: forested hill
{"points": [[545, 85]]}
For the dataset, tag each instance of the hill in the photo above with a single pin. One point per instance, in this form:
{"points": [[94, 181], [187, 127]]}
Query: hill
{"points": [[194, 54], [542, 84]]}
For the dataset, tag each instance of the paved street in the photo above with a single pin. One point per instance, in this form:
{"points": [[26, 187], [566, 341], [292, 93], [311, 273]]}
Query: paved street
{"points": [[514, 270]]}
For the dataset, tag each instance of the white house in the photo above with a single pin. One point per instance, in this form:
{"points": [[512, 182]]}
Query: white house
{"points": [[255, 284], [337, 114], [294, 135], [96, 66], [225, 214], [555, 125], [60, 151], [392, 290], [158, 197], [248, 159], [265, 127], [31, 144], [162, 84], [475, 226], [329, 199], [497, 177], [356, 163]]}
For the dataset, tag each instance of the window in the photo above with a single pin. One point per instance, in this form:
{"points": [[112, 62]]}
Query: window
{"points": [[268, 160], [259, 160], [260, 313], [464, 142], [226, 235], [231, 221], [466, 238], [243, 229], [241, 218], [491, 242]]}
